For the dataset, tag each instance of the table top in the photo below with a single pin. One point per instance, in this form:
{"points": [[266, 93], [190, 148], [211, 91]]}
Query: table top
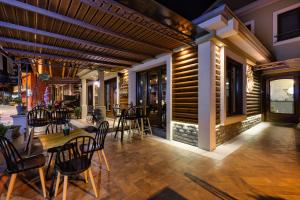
{"points": [[58, 139]]}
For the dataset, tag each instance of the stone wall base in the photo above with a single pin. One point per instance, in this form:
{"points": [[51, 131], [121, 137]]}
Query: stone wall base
{"points": [[185, 133], [225, 133]]}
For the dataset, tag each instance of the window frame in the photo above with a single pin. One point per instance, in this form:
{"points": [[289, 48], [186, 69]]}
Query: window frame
{"points": [[225, 53], [275, 25], [239, 84]]}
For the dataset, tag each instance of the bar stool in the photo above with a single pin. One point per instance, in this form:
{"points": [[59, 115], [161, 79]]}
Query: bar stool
{"points": [[132, 116], [147, 125], [36, 118], [116, 113]]}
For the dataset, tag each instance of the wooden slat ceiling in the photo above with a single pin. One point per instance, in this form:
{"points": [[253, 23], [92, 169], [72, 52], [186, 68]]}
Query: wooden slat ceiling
{"points": [[100, 33]]}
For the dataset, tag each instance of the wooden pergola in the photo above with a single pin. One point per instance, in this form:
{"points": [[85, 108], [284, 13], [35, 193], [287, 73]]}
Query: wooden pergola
{"points": [[279, 66], [107, 34]]}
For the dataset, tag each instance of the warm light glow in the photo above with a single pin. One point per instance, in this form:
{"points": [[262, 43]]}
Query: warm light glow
{"points": [[97, 83]]}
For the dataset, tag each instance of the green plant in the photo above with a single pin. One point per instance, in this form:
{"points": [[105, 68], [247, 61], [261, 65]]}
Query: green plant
{"points": [[3, 129], [18, 100], [77, 112]]}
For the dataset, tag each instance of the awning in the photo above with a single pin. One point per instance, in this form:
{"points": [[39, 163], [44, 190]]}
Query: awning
{"points": [[279, 66]]}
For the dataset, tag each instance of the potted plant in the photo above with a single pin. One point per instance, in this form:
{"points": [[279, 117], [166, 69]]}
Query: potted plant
{"points": [[20, 107], [77, 112]]}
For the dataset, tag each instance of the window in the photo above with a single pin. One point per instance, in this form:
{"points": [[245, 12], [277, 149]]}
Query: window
{"points": [[282, 96], [234, 87], [288, 24]]}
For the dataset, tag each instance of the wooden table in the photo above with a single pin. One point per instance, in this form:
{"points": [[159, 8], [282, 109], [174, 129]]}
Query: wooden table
{"points": [[58, 139]]}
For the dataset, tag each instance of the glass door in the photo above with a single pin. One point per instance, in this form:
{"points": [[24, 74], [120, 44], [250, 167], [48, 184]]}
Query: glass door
{"points": [[110, 95], [282, 97], [151, 92]]}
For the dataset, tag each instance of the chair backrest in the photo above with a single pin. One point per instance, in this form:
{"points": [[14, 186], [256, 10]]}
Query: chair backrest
{"points": [[96, 115], [131, 111], [10, 153], [38, 117], [101, 134], [54, 128], [80, 148], [60, 116]]}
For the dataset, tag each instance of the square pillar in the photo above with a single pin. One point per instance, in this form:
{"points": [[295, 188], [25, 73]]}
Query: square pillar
{"points": [[131, 87], [83, 99], [207, 96], [101, 90]]}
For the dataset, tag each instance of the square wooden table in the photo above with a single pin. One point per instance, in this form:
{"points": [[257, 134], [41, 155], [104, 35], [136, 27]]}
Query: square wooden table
{"points": [[58, 139]]}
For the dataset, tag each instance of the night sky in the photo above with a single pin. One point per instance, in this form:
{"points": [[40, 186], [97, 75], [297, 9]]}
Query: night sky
{"points": [[190, 9]]}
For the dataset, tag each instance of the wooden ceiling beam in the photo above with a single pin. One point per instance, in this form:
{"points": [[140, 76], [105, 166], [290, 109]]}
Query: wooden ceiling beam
{"points": [[58, 80], [63, 71], [146, 23], [80, 23], [65, 58], [72, 39], [45, 46]]}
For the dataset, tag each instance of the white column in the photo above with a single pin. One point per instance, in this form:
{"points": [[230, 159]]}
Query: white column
{"points": [[101, 100], [169, 97], [83, 99], [207, 96], [131, 87]]}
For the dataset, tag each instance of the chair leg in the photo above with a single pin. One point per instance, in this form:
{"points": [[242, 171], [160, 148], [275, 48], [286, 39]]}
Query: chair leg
{"points": [[149, 125], [105, 160], [138, 126], [65, 188], [30, 142], [49, 164], [114, 122], [93, 182], [86, 176], [42, 177], [11, 185], [99, 157], [57, 184]]}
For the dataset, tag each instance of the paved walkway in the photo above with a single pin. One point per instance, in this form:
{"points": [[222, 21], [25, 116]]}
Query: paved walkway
{"points": [[5, 113], [265, 166]]}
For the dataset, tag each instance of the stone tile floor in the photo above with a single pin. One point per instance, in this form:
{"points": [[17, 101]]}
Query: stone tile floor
{"points": [[5, 112], [266, 166]]}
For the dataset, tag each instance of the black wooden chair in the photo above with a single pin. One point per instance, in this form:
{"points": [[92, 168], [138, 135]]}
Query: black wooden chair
{"points": [[52, 129], [74, 158], [121, 124], [16, 164], [60, 116], [38, 117], [100, 139]]}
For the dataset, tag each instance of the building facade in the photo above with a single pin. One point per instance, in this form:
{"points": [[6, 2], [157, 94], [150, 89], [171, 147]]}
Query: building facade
{"points": [[206, 94]]}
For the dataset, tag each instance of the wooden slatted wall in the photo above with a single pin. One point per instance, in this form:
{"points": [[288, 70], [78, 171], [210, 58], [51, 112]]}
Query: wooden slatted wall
{"points": [[124, 89], [254, 97], [185, 86]]}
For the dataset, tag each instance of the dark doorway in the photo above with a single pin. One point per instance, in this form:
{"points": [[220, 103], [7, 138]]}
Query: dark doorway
{"points": [[110, 95], [90, 99], [151, 92], [281, 99]]}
